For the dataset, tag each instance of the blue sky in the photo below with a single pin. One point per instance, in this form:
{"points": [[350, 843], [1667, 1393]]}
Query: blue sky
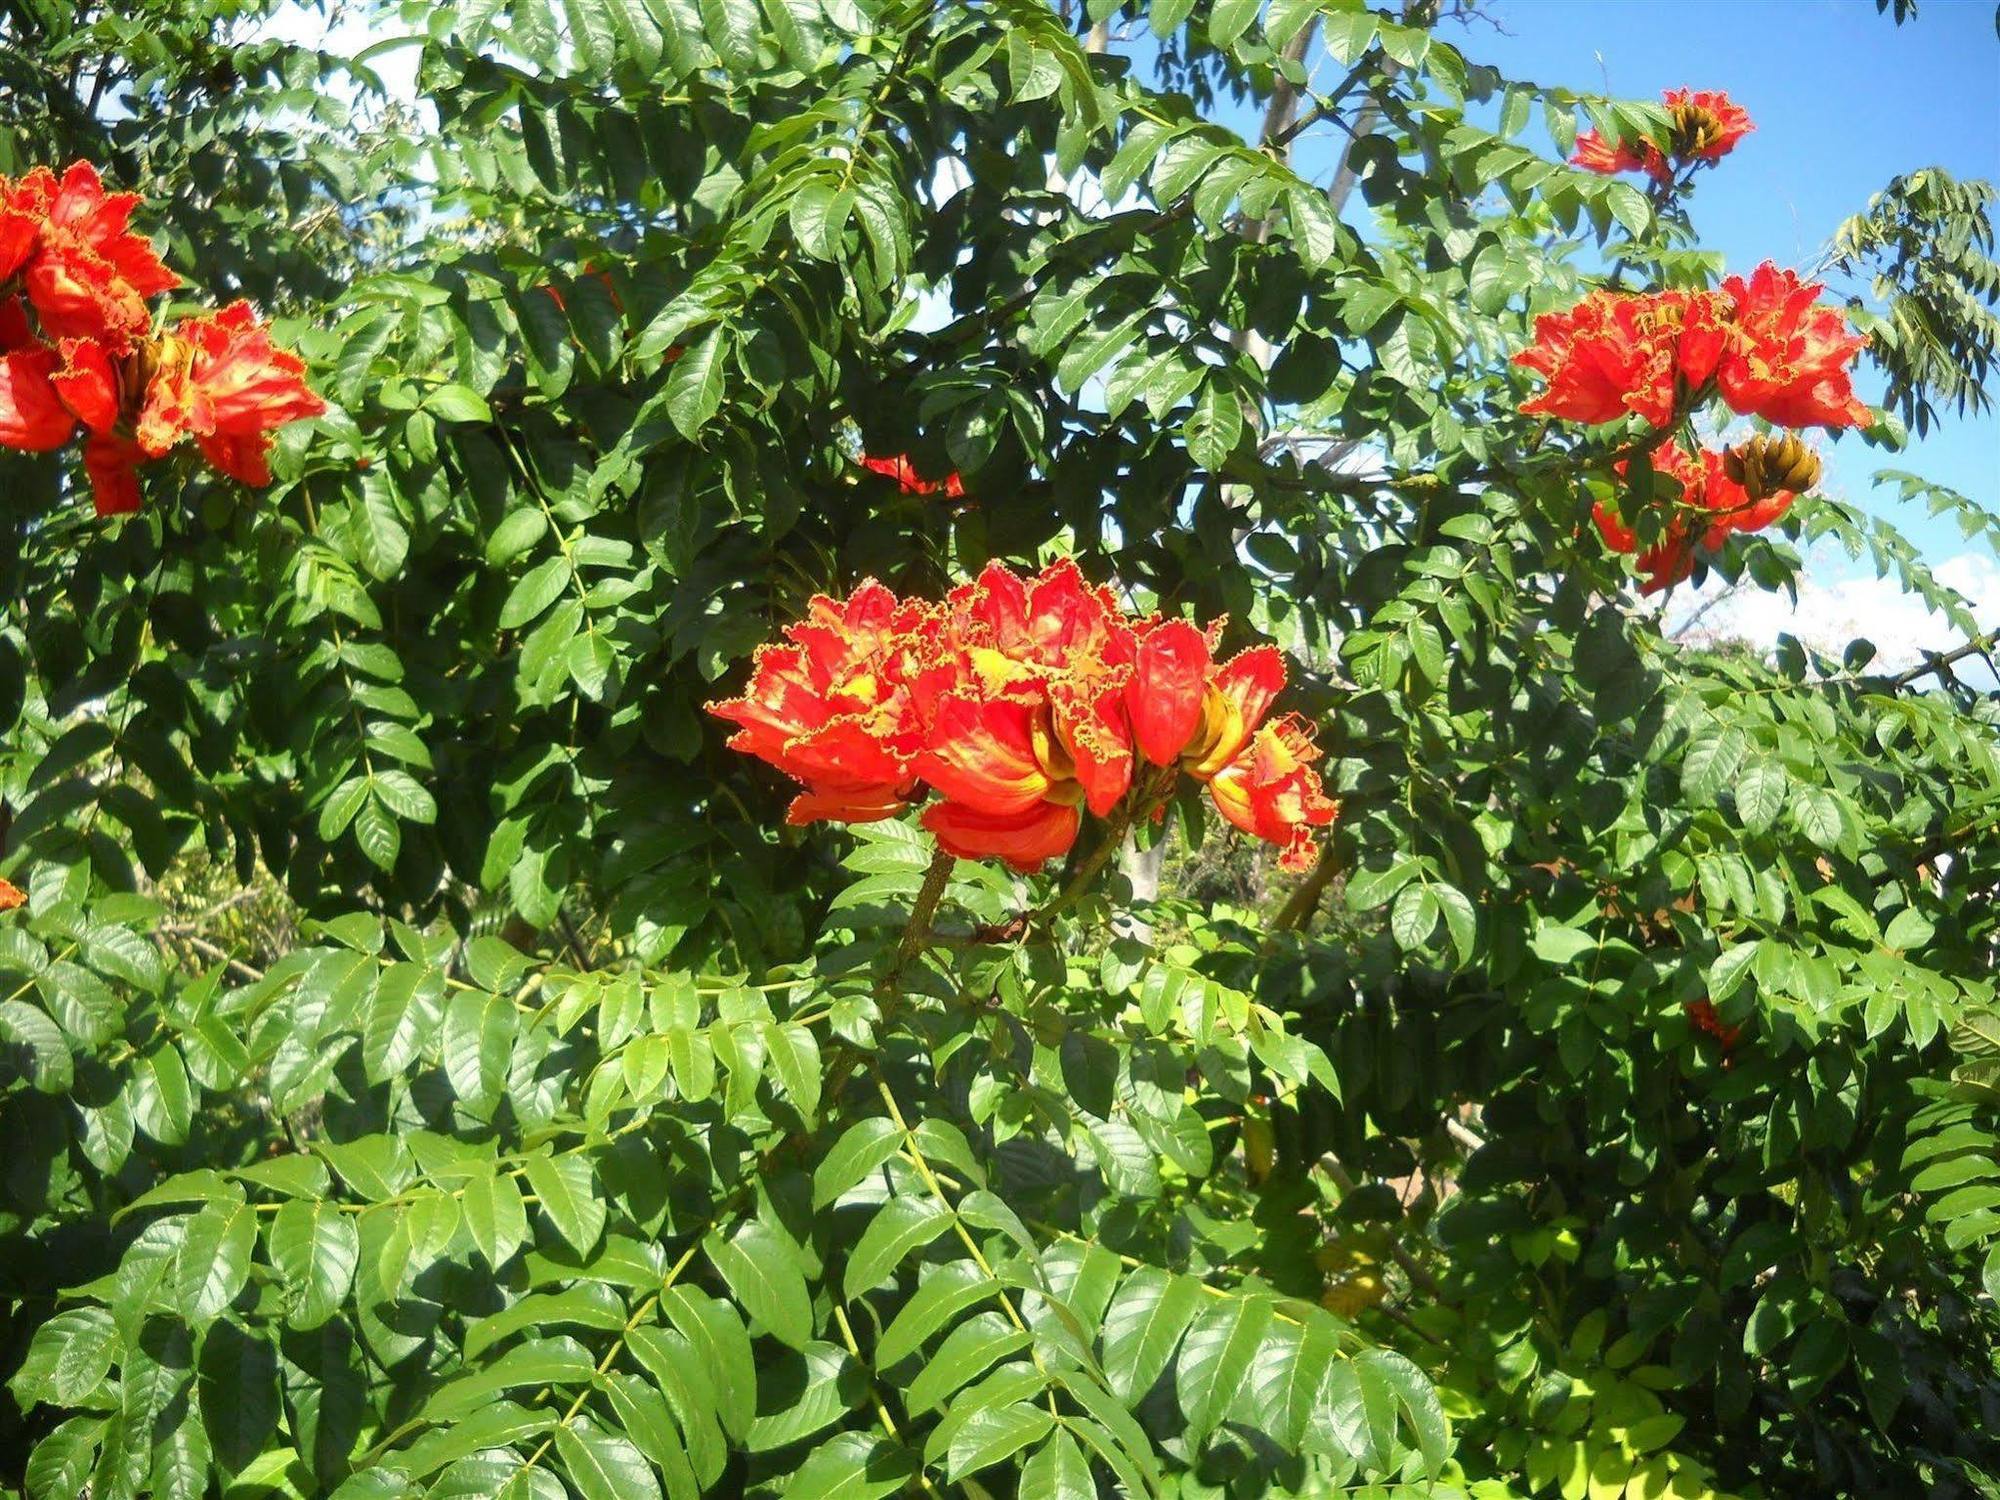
{"points": [[1843, 100]]}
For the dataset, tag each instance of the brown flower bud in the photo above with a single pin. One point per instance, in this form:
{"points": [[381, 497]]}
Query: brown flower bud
{"points": [[1767, 466]]}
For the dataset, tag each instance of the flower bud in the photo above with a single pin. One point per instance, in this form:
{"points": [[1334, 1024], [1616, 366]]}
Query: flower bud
{"points": [[1767, 466], [1696, 130]]}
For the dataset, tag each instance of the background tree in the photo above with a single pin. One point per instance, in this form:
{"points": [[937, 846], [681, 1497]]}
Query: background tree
{"points": [[1627, 1128]]}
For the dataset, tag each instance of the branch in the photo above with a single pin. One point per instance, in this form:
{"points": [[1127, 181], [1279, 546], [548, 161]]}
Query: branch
{"points": [[1937, 662]]}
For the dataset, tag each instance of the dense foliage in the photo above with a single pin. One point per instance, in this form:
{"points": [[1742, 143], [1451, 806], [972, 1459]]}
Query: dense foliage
{"points": [[430, 1064]]}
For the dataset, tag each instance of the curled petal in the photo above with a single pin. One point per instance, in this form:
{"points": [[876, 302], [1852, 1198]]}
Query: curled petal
{"points": [[1272, 792], [1026, 840], [32, 416], [982, 753], [112, 462], [863, 804], [1169, 679], [88, 383]]}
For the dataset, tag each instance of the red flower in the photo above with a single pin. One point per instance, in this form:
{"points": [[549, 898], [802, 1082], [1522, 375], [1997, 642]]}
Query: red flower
{"points": [[1707, 124], [1595, 154], [1025, 840], [86, 273], [1022, 703], [1027, 696], [112, 462], [32, 417], [1271, 791], [1614, 353], [833, 709], [1236, 697], [10, 896], [1788, 357], [1169, 687], [89, 383], [1702, 1017], [1663, 564], [219, 380], [908, 480]]}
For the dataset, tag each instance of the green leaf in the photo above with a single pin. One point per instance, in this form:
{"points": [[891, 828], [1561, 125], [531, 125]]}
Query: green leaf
{"points": [[456, 403], [1215, 1357], [694, 389], [566, 1190], [381, 540], [1730, 969], [1058, 1471], [763, 1274], [794, 1057], [1214, 427], [49, 1066], [1315, 228], [405, 796], [967, 1351], [605, 1465], [1414, 916], [862, 1148], [495, 1216], [819, 213], [852, 1466], [535, 591], [1759, 791], [214, 1259], [992, 1434], [718, 1336], [316, 1248], [1228, 20], [1816, 814], [901, 1226], [945, 1293], [376, 833], [1143, 1327]]}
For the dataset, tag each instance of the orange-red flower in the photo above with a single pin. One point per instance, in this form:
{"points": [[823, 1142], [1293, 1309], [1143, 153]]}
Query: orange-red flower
{"points": [[111, 460], [1663, 564], [1788, 356], [1707, 124], [1616, 353], [1023, 704], [89, 383], [10, 896], [1270, 790], [900, 469], [833, 708], [1702, 1017], [87, 274], [220, 381], [1595, 154], [1704, 501], [32, 417]]}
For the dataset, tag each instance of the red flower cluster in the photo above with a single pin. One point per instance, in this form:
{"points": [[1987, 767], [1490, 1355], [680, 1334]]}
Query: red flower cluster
{"points": [[68, 256], [1021, 703], [1707, 124], [1702, 1017], [909, 480], [1766, 344], [1712, 502]]}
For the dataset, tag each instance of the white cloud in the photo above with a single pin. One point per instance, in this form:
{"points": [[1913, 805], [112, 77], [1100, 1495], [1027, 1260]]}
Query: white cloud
{"points": [[1840, 601]]}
